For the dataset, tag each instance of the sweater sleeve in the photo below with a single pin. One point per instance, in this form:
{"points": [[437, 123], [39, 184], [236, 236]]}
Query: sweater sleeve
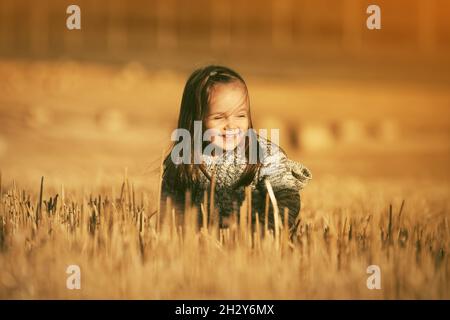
{"points": [[277, 169]]}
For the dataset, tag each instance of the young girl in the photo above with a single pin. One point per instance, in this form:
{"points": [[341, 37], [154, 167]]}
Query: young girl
{"points": [[215, 99]]}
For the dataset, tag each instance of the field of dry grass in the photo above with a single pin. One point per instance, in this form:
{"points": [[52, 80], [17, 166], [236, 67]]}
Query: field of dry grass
{"points": [[345, 227], [381, 199]]}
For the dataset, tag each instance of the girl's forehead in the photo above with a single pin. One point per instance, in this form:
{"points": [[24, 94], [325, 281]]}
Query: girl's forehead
{"points": [[228, 96]]}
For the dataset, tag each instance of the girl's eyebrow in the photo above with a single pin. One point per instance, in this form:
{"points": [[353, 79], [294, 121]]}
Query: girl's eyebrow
{"points": [[242, 109], [239, 108], [216, 113]]}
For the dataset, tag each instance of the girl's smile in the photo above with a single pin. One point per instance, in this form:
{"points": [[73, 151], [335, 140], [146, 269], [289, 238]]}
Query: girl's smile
{"points": [[232, 134]]}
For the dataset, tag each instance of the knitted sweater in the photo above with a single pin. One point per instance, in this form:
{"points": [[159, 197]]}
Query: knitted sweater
{"points": [[286, 177]]}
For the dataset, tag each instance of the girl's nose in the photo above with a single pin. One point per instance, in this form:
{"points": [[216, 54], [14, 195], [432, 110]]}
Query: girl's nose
{"points": [[230, 125], [231, 128]]}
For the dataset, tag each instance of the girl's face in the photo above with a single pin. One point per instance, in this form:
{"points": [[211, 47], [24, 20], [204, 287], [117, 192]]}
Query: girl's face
{"points": [[228, 114]]}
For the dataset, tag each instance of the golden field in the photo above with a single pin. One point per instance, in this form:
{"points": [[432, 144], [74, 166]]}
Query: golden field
{"points": [[122, 255], [378, 151]]}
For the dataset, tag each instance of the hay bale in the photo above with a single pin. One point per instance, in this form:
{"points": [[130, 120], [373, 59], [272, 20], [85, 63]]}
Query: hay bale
{"points": [[315, 137], [38, 116], [352, 132], [273, 123], [386, 131], [131, 75], [111, 120]]}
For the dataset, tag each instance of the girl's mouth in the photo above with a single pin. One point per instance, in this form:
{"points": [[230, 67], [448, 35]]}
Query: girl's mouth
{"points": [[231, 134]]}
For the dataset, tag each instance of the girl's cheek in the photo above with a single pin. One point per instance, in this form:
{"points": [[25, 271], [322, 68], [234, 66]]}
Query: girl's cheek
{"points": [[243, 124], [207, 125], [216, 125], [210, 124]]}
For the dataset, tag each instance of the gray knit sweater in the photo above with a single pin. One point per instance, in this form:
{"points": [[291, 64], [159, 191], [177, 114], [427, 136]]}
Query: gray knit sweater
{"points": [[286, 177]]}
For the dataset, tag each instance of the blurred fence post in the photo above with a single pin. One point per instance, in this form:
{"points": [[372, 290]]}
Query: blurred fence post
{"points": [[73, 40], [116, 33], [282, 24], [426, 31], [6, 38], [353, 20], [166, 19], [39, 28], [237, 24], [220, 24]]}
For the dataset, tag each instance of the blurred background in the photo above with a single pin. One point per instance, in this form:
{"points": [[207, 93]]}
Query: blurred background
{"points": [[80, 106]]}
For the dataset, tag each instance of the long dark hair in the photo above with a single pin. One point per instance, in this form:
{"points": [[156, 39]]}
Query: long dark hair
{"points": [[194, 105]]}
